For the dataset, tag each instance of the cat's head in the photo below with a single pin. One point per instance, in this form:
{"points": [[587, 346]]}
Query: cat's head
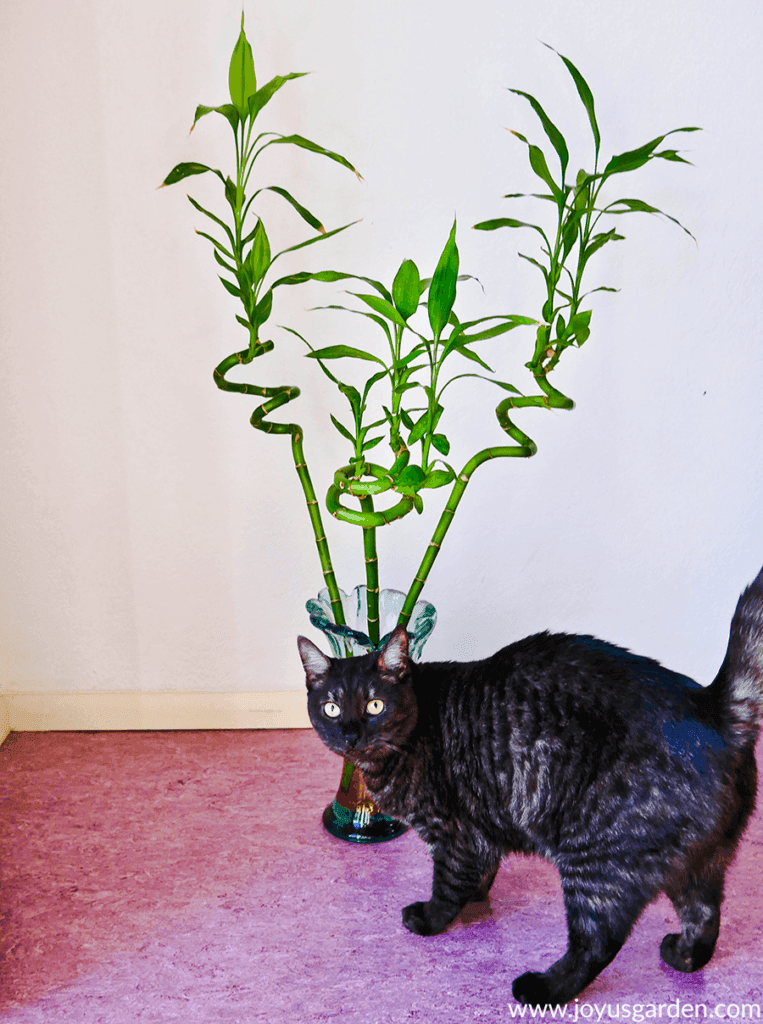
{"points": [[364, 705]]}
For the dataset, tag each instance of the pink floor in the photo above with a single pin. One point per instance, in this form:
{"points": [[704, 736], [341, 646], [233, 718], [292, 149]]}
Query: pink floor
{"points": [[185, 876]]}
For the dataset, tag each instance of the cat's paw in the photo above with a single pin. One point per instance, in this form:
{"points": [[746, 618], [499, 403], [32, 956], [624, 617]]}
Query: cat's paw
{"points": [[531, 990], [670, 954], [418, 919], [415, 919], [687, 963]]}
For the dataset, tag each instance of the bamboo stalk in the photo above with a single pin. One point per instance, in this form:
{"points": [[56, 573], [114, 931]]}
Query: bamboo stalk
{"points": [[372, 573]]}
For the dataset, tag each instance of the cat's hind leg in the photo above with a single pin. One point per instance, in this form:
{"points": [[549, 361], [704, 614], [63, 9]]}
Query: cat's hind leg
{"points": [[697, 899], [482, 892], [600, 917]]}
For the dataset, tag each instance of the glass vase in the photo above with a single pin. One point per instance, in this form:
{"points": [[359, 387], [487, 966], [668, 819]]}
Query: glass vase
{"points": [[352, 815]]}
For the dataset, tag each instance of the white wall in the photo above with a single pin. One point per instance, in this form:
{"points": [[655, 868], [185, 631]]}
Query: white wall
{"points": [[151, 540]]}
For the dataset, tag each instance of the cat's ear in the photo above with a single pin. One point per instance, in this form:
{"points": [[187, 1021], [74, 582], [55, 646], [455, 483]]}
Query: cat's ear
{"points": [[315, 662], [393, 659]]}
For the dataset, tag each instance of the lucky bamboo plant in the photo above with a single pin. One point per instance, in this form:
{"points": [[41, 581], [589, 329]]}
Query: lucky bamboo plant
{"points": [[401, 404]]}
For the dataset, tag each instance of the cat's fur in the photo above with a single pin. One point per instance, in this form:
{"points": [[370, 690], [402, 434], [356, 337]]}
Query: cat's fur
{"points": [[630, 778]]}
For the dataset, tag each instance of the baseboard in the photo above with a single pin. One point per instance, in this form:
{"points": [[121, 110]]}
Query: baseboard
{"points": [[5, 724], [33, 712]]}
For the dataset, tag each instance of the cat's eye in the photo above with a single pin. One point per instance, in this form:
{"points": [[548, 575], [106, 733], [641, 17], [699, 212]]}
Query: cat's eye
{"points": [[332, 710], [375, 707]]}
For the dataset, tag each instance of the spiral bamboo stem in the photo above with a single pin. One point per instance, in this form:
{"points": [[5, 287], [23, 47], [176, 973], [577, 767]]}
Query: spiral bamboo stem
{"points": [[277, 397], [525, 448]]}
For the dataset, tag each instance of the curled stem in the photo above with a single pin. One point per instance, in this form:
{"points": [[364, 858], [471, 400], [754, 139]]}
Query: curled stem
{"points": [[278, 396], [525, 448], [347, 482]]}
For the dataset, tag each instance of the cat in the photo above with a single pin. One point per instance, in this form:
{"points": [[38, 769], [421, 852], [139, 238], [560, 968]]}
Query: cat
{"points": [[630, 778]]}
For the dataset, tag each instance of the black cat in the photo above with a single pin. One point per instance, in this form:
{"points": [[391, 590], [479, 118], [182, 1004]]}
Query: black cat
{"points": [[630, 778]]}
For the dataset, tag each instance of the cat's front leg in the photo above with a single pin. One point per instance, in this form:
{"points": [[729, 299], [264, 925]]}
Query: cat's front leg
{"points": [[458, 878]]}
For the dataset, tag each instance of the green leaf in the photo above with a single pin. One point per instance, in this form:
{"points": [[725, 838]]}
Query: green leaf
{"points": [[185, 170], [406, 289], [298, 140], [508, 222], [370, 383], [540, 167], [342, 430], [553, 133], [359, 312], [442, 291], [258, 260], [419, 428], [321, 275], [227, 110], [223, 263], [411, 477], [304, 213], [257, 101], [464, 351], [223, 225], [582, 191], [352, 395], [459, 336], [372, 443], [635, 158], [441, 443], [585, 94], [438, 478], [570, 231], [217, 245], [231, 193], [494, 332], [381, 306], [504, 385], [242, 82], [407, 421], [529, 195], [633, 205], [343, 352], [312, 241], [639, 206], [632, 159], [598, 241], [579, 321], [490, 380], [263, 309], [601, 288], [535, 263], [671, 154], [231, 288], [331, 276]]}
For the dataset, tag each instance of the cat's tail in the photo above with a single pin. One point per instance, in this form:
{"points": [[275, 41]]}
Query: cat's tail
{"points": [[737, 690]]}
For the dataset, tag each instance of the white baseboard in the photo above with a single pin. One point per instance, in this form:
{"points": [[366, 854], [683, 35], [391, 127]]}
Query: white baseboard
{"points": [[5, 724], [32, 712]]}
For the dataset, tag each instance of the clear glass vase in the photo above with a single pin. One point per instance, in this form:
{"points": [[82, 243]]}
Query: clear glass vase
{"points": [[352, 815]]}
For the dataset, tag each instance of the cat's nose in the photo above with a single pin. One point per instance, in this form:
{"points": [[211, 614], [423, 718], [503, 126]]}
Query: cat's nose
{"points": [[351, 733]]}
